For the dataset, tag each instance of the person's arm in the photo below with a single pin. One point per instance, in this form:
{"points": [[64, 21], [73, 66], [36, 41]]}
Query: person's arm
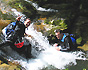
{"points": [[16, 28], [58, 45], [64, 46], [18, 19]]}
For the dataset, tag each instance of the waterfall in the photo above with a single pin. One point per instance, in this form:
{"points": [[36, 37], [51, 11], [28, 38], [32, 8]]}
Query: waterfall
{"points": [[49, 56], [39, 41], [46, 55], [40, 8], [38, 36]]}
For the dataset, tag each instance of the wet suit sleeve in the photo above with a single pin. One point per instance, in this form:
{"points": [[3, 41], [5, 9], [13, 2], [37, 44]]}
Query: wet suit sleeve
{"points": [[16, 28], [65, 46], [13, 35]]}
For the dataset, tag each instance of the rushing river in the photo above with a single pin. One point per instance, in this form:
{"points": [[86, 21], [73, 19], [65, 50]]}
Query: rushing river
{"points": [[46, 57]]}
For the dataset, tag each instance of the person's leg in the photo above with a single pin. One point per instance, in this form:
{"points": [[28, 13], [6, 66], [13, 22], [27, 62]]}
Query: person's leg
{"points": [[28, 51]]}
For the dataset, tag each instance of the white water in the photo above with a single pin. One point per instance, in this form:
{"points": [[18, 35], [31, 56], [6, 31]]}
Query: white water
{"points": [[42, 40], [40, 8], [50, 56]]}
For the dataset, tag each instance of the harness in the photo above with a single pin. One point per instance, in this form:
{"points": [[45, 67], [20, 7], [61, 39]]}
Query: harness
{"points": [[71, 36], [9, 29]]}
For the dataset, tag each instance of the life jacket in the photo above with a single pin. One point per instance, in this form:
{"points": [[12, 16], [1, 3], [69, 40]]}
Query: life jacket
{"points": [[10, 28], [71, 36]]}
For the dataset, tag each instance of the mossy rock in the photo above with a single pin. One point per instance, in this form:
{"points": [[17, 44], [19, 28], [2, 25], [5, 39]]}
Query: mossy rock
{"points": [[9, 65], [4, 23], [84, 47], [0, 62], [4, 67]]}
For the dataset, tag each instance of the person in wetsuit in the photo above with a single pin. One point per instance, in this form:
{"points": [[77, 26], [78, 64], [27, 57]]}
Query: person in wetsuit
{"points": [[18, 31], [65, 41], [15, 32]]}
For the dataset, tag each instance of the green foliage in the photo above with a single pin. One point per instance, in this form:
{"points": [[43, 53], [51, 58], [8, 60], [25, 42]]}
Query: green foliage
{"points": [[66, 69], [47, 21], [58, 24], [51, 31], [24, 7], [84, 69], [79, 40]]}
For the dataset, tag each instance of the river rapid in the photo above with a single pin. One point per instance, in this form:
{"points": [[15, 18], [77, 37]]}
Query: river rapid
{"points": [[45, 56]]}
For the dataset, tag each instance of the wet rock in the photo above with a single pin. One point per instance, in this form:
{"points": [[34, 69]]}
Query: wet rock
{"points": [[8, 65]]}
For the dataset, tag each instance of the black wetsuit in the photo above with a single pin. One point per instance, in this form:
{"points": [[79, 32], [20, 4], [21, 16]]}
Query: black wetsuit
{"points": [[18, 33], [11, 37], [66, 44], [19, 30]]}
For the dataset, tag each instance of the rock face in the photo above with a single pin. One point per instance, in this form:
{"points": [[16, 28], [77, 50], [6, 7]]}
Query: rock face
{"points": [[81, 27], [8, 65]]}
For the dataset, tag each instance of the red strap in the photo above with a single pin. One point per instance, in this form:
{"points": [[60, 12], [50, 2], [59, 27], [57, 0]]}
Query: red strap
{"points": [[19, 45]]}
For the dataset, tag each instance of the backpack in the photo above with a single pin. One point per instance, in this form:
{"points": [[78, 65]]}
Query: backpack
{"points": [[10, 28], [73, 39], [72, 36]]}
